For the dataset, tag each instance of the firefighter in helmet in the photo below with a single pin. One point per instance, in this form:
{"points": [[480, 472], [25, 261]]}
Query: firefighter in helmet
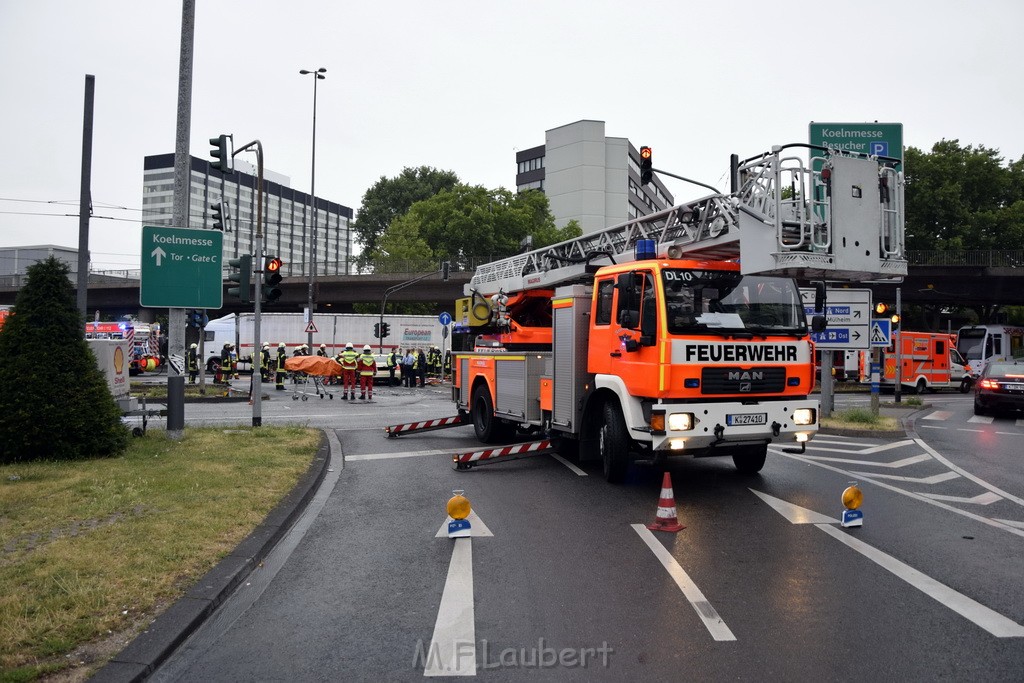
{"points": [[348, 371], [193, 363], [279, 371], [367, 365]]}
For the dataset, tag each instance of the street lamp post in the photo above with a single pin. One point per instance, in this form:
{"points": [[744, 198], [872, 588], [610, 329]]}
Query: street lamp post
{"points": [[318, 75]]}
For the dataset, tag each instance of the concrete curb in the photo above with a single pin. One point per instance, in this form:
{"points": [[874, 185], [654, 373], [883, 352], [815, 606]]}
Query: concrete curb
{"points": [[149, 649]]}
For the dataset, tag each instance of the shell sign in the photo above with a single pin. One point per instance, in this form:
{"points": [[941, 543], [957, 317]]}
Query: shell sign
{"points": [[118, 360]]}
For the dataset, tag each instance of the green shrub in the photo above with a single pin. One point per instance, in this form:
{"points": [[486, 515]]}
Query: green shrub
{"points": [[54, 401]]}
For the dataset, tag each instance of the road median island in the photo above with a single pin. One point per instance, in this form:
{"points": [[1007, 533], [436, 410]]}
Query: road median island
{"points": [[92, 551]]}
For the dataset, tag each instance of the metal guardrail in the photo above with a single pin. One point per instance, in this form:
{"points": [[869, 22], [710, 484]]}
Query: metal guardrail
{"points": [[986, 258]]}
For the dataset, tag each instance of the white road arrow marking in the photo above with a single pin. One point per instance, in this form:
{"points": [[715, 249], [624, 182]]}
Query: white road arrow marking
{"points": [[986, 498], [973, 611], [159, 254], [707, 613], [990, 620], [890, 465], [794, 513], [477, 527], [934, 479], [1010, 522], [870, 449], [452, 649]]}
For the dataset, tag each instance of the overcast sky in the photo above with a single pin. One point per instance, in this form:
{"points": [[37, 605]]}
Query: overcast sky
{"points": [[462, 85]]}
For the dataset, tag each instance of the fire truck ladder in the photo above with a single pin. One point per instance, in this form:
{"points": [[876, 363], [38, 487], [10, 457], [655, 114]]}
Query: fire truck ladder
{"points": [[840, 218]]}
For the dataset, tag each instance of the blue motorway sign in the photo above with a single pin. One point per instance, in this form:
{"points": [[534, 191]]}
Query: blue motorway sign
{"points": [[837, 335]]}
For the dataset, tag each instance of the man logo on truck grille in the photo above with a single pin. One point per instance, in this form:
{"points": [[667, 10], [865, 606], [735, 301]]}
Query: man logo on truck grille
{"points": [[745, 386], [746, 374]]}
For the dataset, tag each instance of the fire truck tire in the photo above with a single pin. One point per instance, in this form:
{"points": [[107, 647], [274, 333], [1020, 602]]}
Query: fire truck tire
{"points": [[750, 459], [613, 444], [965, 385], [488, 428], [921, 386]]}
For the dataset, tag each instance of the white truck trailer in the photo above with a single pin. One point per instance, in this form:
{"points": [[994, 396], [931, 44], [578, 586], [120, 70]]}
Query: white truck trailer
{"points": [[332, 329]]}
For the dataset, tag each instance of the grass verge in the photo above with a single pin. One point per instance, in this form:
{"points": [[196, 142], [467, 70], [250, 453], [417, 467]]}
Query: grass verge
{"points": [[97, 548], [860, 418]]}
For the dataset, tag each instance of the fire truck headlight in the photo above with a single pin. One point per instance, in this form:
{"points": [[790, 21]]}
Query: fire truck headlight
{"points": [[804, 416], [680, 422]]}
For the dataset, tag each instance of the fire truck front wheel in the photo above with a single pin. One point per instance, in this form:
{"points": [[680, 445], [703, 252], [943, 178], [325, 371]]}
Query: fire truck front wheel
{"points": [[613, 444], [488, 428], [750, 459]]}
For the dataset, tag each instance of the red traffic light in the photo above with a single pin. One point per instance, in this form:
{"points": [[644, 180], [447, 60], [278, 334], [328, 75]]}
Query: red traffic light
{"points": [[645, 152], [273, 264]]}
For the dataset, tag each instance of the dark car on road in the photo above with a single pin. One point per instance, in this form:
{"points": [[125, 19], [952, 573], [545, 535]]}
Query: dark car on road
{"points": [[1000, 387]]}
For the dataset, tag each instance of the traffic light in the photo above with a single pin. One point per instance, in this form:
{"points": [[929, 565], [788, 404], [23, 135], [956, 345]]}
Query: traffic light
{"points": [[385, 330], [271, 279], [197, 318], [243, 277], [376, 331], [883, 309], [646, 171], [445, 270], [221, 216], [221, 154]]}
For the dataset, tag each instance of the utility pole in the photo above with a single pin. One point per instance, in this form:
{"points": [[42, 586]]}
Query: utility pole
{"points": [[182, 182], [85, 197]]}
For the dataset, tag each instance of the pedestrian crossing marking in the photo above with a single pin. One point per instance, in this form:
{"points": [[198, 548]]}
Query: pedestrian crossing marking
{"points": [[939, 415]]}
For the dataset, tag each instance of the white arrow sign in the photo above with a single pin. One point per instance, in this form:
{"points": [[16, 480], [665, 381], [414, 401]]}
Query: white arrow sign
{"points": [[158, 254]]}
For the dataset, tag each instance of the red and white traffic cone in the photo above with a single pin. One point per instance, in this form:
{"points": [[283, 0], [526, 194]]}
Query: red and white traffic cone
{"points": [[666, 519]]}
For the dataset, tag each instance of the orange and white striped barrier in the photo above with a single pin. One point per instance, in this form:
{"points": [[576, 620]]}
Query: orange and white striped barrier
{"points": [[666, 519], [425, 426], [464, 461]]}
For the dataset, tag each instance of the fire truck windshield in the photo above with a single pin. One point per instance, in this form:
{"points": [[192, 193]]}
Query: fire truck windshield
{"points": [[710, 301]]}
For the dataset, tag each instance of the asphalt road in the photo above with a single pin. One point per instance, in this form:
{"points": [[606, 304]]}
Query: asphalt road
{"points": [[762, 583]]}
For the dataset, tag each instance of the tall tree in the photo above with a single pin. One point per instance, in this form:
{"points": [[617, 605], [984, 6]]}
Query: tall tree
{"points": [[963, 198], [468, 225], [54, 402], [389, 198]]}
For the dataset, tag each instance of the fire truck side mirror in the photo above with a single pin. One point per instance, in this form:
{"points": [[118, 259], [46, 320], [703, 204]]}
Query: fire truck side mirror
{"points": [[818, 323], [819, 298], [628, 285]]}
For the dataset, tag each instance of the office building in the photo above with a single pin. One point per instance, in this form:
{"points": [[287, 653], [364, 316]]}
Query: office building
{"points": [[288, 214], [589, 177], [14, 261]]}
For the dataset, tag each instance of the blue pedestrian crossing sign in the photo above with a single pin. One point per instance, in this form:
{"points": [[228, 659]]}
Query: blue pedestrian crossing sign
{"points": [[881, 331]]}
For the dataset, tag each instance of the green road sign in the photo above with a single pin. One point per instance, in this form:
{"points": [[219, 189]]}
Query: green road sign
{"points": [[181, 268], [877, 139]]}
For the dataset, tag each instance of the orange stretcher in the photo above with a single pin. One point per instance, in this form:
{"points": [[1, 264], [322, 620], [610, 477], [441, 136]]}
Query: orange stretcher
{"points": [[316, 367]]}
